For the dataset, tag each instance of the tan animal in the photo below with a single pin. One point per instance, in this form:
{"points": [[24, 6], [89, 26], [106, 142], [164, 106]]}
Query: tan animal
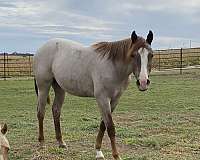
{"points": [[4, 144]]}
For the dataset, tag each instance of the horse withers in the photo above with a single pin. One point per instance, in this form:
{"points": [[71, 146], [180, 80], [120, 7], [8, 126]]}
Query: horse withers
{"points": [[101, 71], [4, 144]]}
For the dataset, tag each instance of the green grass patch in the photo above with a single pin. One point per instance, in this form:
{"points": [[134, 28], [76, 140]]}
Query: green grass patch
{"points": [[162, 123]]}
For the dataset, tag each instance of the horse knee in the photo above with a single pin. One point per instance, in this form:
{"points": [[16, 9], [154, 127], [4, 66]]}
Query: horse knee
{"points": [[110, 126], [40, 118], [40, 114], [56, 112], [111, 131], [102, 126]]}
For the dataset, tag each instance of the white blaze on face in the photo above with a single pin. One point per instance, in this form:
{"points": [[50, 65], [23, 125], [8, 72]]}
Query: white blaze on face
{"points": [[143, 76]]}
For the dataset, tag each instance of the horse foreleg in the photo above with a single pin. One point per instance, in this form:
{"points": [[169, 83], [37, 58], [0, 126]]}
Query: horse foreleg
{"points": [[111, 133], [102, 128], [100, 135], [56, 110], [105, 107]]}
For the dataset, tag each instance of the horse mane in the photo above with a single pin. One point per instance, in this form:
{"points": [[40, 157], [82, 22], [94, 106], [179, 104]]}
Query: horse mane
{"points": [[118, 50]]}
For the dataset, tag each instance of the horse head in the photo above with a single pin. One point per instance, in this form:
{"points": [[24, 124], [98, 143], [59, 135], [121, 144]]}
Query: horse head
{"points": [[141, 55]]}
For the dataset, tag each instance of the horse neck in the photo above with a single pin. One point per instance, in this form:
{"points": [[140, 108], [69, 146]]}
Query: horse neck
{"points": [[123, 69]]}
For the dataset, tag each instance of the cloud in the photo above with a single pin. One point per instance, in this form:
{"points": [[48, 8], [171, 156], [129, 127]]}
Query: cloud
{"points": [[50, 19], [174, 22], [182, 6], [165, 42], [6, 4]]}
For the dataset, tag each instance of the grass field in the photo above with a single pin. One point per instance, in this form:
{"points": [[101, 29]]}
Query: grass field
{"points": [[160, 124]]}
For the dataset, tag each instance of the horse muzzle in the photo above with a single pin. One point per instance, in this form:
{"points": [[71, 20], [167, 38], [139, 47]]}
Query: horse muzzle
{"points": [[143, 84]]}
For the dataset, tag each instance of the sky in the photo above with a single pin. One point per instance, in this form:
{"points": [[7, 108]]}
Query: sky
{"points": [[27, 24]]}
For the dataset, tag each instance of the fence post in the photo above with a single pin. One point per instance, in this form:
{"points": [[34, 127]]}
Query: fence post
{"points": [[7, 65], [4, 66], [159, 61], [29, 59], [181, 61]]}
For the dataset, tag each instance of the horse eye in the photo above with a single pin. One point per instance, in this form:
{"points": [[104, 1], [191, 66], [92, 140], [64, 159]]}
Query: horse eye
{"points": [[132, 55]]}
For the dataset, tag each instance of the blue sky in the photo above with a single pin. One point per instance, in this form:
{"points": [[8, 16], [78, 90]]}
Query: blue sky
{"points": [[26, 24]]}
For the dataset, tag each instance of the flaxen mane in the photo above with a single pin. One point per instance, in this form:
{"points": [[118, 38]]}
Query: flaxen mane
{"points": [[118, 50]]}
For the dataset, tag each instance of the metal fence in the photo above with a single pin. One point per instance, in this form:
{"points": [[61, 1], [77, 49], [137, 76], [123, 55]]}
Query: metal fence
{"points": [[179, 60], [176, 59], [16, 65]]}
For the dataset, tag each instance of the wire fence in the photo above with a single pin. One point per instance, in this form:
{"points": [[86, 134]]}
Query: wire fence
{"points": [[16, 65], [170, 61], [179, 60]]}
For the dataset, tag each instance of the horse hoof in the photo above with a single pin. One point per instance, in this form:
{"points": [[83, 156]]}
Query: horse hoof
{"points": [[62, 145], [100, 156], [118, 158], [41, 142], [41, 145]]}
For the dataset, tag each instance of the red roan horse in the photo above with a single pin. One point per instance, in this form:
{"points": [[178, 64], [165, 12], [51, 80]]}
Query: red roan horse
{"points": [[101, 71]]}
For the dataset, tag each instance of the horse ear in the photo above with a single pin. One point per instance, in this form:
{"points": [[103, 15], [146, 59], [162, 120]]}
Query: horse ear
{"points": [[134, 37], [149, 37], [4, 129]]}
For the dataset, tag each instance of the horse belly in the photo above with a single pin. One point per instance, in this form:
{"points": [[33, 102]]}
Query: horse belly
{"points": [[77, 88], [79, 85]]}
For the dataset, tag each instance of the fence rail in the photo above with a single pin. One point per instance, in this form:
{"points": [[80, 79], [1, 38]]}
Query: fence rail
{"points": [[176, 58], [15, 65]]}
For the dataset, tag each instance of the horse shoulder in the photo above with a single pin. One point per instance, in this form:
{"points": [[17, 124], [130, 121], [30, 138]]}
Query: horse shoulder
{"points": [[109, 85]]}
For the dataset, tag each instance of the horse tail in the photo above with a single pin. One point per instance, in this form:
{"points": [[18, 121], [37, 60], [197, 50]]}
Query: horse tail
{"points": [[36, 88], [36, 91], [48, 100]]}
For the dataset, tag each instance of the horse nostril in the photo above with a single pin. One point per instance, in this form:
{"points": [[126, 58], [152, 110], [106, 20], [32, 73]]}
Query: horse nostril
{"points": [[148, 82], [138, 82]]}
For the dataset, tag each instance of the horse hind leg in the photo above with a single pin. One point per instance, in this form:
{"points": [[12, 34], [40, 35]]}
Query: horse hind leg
{"points": [[43, 88], [56, 110]]}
